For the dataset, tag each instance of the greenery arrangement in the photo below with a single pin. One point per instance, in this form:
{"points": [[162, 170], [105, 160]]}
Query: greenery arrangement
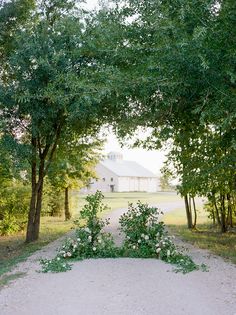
{"points": [[145, 236]]}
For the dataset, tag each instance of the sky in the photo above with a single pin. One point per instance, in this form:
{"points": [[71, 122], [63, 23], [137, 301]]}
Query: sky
{"points": [[152, 160], [90, 4]]}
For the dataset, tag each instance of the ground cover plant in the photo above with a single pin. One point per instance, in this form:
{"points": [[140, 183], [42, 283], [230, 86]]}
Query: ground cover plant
{"points": [[145, 236]]}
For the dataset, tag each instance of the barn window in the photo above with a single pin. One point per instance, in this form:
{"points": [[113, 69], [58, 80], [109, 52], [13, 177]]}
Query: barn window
{"points": [[104, 179], [111, 179]]}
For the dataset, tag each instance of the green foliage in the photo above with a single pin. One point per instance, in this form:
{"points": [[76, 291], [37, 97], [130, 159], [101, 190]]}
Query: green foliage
{"points": [[183, 90], [8, 225], [90, 240], [90, 213], [74, 162], [54, 265], [13, 15], [60, 91], [14, 208], [53, 200], [145, 237]]}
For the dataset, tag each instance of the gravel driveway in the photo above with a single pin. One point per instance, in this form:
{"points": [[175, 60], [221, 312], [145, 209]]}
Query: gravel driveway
{"points": [[122, 286]]}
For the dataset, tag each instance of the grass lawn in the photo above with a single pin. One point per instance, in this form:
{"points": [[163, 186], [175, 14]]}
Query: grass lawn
{"points": [[210, 238], [178, 217], [13, 248], [205, 236], [120, 200]]}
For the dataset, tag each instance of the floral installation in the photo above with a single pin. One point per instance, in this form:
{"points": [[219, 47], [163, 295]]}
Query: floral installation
{"points": [[145, 236]]}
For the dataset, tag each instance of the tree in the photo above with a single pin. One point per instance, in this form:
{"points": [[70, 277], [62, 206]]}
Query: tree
{"points": [[13, 15], [73, 166], [54, 86]]}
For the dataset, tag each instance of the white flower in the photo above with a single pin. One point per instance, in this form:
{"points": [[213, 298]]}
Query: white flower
{"points": [[87, 230], [168, 252], [58, 258], [142, 235], [64, 255], [99, 241], [94, 249], [158, 250], [134, 247], [139, 241], [146, 237], [69, 254], [78, 239], [75, 246], [90, 238]]}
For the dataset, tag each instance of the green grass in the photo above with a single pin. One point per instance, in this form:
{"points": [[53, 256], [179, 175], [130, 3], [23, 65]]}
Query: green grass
{"points": [[13, 249], [178, 216], [205, 236], [210, 238], [120, 200]]}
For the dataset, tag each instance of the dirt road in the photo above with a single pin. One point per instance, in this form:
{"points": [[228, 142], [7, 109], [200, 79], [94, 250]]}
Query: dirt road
{"points": [[122, 286]]}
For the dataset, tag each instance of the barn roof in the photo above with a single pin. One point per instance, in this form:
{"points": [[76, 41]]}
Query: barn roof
{"points": [[127, 168]]}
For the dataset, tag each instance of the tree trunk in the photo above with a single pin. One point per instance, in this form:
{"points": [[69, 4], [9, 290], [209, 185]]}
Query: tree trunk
{"points": [[216, 210], [44, 154], [223, 215], [30, 225], [188, 212], [67, 209], [35, 203], [230, 212], [195, 213]]}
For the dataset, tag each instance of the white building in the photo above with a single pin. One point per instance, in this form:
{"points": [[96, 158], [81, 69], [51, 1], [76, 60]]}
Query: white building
{"points": [[117, 175]]}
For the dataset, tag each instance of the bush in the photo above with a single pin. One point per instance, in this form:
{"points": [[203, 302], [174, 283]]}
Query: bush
{"points": [[90, 240], [145, 236], [14, 208], [53, 200]]}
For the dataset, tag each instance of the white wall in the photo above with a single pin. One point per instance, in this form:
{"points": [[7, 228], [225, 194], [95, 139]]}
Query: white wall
{"points": [[121, 184], [137, 184], [104, 185]]}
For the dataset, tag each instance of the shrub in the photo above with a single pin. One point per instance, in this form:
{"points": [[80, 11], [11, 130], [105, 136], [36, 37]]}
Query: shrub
{"points": [[14, 208], [90, 240], [146, 236]]}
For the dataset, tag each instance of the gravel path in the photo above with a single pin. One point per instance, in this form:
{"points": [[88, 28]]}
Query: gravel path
{"points": [[122, 286]]}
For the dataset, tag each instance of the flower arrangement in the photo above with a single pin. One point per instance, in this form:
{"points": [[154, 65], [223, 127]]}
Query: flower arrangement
{"points": [[90, 241], [145, 236]]}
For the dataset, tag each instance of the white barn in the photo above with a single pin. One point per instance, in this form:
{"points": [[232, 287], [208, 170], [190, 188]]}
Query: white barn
{"points": [[118, 175]]}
